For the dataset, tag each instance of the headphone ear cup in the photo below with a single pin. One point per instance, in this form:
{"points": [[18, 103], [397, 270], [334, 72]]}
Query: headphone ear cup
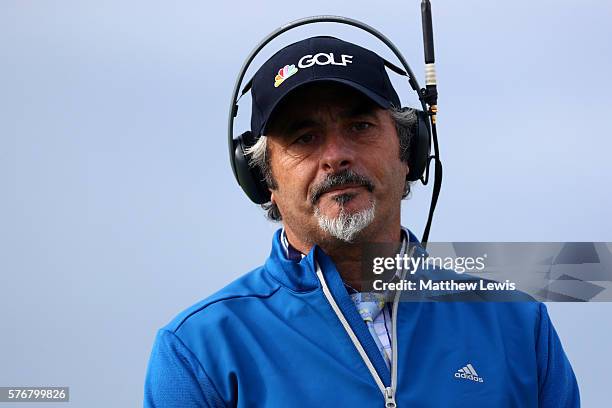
{"points": [[420, 147], [250, 178]]}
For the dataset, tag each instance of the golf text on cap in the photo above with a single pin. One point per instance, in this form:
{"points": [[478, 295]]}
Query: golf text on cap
{"points": [[308, 61], [323, 59]]}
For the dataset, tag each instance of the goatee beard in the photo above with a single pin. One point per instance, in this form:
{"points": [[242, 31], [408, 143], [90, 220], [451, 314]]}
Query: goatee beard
{"points": [[345, 226]]}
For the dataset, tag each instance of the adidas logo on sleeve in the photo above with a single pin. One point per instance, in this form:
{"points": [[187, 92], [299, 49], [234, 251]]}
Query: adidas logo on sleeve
{"points": [[468, 373]]}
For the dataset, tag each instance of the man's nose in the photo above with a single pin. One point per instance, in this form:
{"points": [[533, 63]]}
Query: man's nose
{"points": [[338, 153]]}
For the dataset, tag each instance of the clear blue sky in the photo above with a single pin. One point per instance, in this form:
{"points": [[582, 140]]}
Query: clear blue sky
{"points": [[119, 208]]}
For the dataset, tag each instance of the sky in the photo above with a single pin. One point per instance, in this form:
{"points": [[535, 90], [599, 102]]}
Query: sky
{"points": [[119, 208]]}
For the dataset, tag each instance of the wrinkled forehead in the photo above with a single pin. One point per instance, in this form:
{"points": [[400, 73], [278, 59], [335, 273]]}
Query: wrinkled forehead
{"points": [[311, 101]]}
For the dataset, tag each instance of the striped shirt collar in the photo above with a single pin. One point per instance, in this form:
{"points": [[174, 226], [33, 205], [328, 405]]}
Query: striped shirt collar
{"points": [[291, 253]]}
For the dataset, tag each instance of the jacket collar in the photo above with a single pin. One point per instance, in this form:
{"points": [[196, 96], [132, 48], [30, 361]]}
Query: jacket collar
{"points": [[300, 276]]}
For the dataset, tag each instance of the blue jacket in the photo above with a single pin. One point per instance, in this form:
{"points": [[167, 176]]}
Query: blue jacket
{"points": [[271, 339]]}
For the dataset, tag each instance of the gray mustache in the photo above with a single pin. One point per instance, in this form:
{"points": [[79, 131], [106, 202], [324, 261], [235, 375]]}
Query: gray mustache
{"points": [[344, 177]]}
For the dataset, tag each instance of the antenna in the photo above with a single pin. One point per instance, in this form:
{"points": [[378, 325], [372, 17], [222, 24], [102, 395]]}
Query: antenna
{"points": [[429, 95], [427, 32]]}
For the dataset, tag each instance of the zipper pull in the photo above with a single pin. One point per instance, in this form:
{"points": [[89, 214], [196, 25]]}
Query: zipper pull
{"points": [[390, 398]]}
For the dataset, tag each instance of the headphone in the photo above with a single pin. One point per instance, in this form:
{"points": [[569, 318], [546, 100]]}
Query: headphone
{"points": [[250, 178]]}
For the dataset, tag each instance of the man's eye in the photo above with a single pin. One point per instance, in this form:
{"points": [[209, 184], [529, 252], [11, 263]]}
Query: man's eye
{"points": [[305, 139], [359, 126]]}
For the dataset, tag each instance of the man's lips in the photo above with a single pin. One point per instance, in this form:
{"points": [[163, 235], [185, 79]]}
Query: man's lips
{"points": [[343, 189]]}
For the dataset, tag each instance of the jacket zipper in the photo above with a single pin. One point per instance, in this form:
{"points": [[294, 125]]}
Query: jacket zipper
{"points": [[387, 392]]}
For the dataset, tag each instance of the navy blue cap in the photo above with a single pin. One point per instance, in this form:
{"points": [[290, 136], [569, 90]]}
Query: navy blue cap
{"points": [[318, 59]]}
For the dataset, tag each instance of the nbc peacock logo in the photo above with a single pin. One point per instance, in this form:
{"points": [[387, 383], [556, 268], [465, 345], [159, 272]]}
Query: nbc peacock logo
{"points": [[284, 73]]}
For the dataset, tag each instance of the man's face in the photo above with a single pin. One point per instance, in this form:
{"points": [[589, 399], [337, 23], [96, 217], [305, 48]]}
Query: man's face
{"points": [[334, 155]]}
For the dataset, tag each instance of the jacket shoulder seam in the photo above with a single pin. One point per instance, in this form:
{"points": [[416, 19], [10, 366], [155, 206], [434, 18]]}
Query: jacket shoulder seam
{"points": [[223, 299]]}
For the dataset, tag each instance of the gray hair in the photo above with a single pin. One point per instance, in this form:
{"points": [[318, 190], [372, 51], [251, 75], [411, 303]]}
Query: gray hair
{"points": [[405, 123]]}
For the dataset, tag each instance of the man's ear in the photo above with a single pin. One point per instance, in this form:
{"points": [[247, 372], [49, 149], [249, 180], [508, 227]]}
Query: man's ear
{"points": [[272, 199]]}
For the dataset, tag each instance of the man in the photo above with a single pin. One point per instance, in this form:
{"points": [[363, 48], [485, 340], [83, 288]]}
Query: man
{"points": [[298, 331]]}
